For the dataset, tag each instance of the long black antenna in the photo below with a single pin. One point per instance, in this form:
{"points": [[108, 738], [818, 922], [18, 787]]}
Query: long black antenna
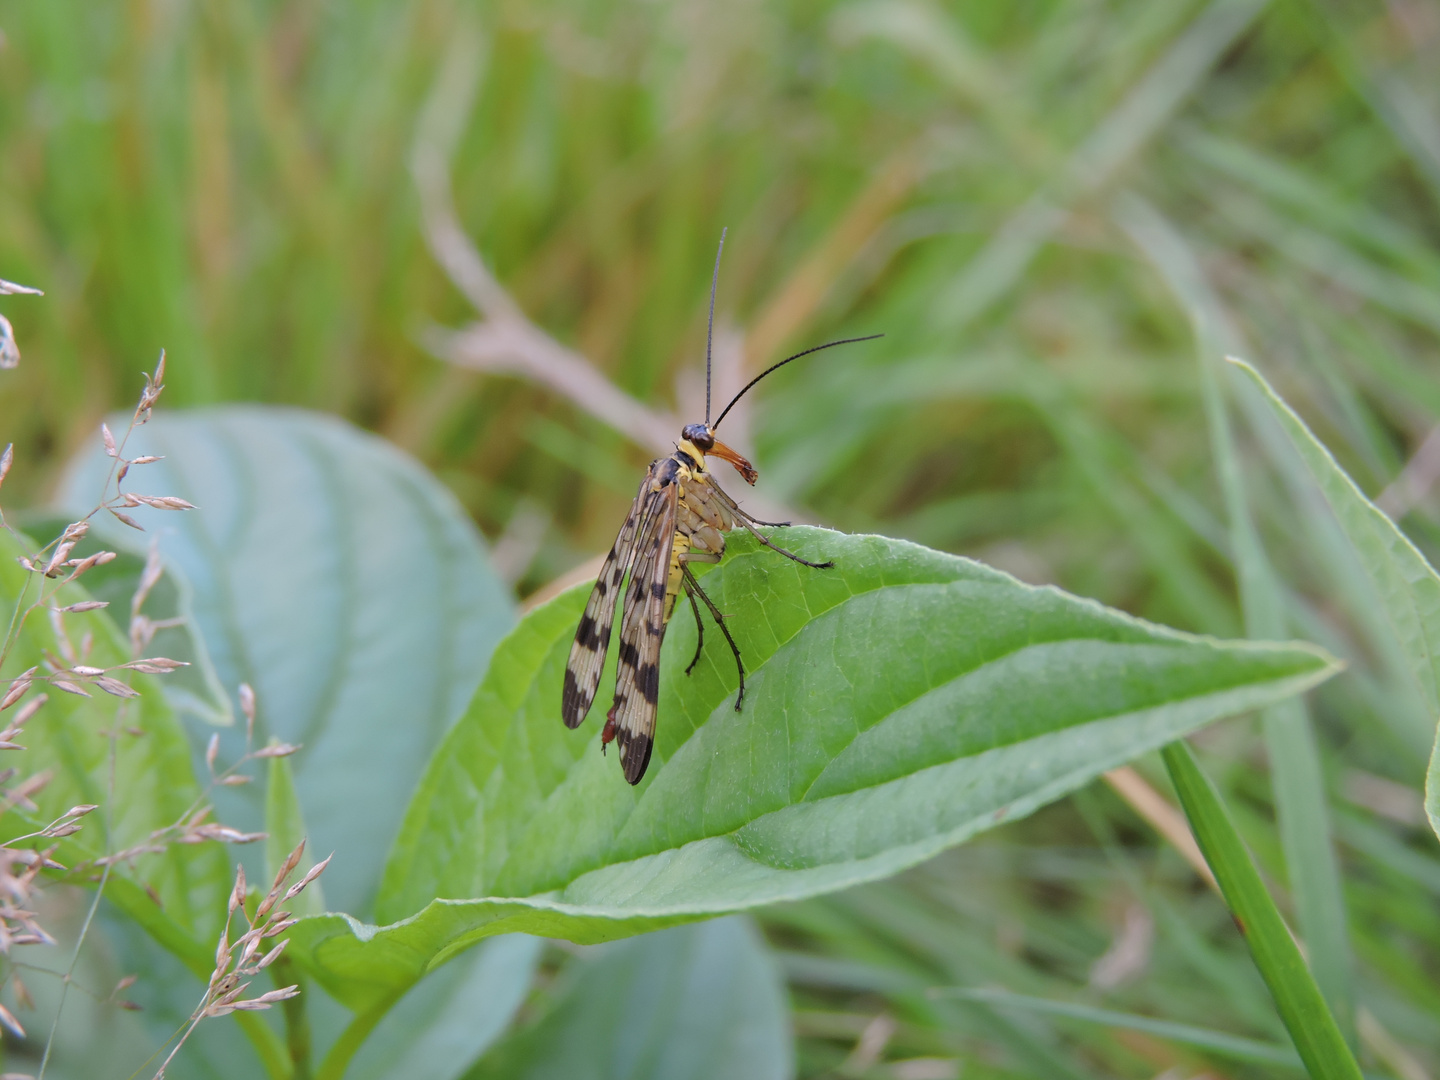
{"points": [[710, 326], [782, 363]]}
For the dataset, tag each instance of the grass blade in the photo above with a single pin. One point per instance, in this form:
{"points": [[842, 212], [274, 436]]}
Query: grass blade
{"points": [[1407, 585], [1218, 1042], [1296, 775], [1302, 1007]]}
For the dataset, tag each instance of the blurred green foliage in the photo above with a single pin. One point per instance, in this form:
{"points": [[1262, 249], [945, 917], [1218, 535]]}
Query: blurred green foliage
{"points": [[229, 181]]}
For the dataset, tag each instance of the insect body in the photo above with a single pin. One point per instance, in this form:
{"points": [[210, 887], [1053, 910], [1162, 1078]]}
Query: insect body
{"points": [[679, 517]]}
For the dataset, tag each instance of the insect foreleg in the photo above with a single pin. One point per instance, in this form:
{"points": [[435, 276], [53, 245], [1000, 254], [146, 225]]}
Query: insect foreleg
{"points": [[776, 547], [693, 588], [749, 523], [756, 521]]}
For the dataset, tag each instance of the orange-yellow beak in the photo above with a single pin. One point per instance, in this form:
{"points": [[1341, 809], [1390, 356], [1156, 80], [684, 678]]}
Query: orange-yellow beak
{"points": [[743, 467]]}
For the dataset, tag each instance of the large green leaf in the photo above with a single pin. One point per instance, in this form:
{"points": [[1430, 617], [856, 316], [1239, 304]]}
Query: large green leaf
{"points": [[691, 1003], [441, 1026], [1407, 585], [340, 580], [896, 706]]}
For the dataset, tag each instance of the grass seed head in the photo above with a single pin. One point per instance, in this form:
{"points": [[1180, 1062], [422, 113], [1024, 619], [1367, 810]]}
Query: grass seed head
{"points": [[18, 689], [278, 749], [115, 687], [237, 894]]}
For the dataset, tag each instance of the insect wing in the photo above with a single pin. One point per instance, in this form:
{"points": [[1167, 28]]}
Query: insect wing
{"points": [[592, 639], [642, 629]]}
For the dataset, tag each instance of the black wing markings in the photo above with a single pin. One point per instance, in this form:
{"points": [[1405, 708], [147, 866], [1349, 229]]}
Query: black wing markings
{"points": [[642, 629], [592, 639]]}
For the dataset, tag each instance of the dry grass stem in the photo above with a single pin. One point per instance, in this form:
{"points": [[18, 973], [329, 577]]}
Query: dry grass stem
{"points": [[505, 341], [1162, 816]]}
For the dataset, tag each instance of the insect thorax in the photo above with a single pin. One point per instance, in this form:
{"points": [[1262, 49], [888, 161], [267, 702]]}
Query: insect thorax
{"points": [[700, 517]]}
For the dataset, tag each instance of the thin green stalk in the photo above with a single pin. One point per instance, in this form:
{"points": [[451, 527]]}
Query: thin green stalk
{"points": [[1302, 1007], [297, 1019], [337, 1058]]}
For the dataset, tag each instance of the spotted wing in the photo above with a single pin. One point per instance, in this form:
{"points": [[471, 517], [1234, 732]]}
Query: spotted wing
{"points": [[592, 639], [642, 629]]}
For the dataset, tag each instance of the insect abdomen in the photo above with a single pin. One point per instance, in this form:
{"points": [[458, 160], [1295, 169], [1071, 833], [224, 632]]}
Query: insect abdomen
{"points": [[679, 545]]}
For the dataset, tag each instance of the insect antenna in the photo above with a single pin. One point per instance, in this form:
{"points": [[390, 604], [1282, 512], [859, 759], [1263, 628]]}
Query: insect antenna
{"points": [[710, 326], [772, 367]]}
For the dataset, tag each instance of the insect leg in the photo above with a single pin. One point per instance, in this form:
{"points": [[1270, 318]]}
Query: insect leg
{"points": [[693, 587], [699, 628], [757, 521], [749, 522], [776, 547], [689, 557]]}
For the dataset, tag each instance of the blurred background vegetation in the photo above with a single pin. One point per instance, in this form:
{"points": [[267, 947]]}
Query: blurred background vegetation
{"points": [[1039, 202]]}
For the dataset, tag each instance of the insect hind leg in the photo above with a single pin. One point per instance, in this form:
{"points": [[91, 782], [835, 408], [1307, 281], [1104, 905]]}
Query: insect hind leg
{"points": [[699, 628], [692, 587]]}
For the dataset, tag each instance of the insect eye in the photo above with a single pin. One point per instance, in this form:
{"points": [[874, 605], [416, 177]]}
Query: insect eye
{"points": [[699, 435]]}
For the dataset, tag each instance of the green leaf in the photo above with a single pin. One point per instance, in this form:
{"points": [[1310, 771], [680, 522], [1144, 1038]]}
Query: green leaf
{"points": [[340, 580], [441, 1026], [285, 830], [1301, 1005], [896, 706], [692, 1003], [1407, 585]]}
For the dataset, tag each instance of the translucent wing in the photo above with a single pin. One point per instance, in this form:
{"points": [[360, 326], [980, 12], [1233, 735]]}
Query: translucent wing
{"points": [[642, 629], [592, 639]]}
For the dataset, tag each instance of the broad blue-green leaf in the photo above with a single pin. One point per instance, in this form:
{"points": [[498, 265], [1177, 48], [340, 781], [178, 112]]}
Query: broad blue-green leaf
{"points": [[1407, 585], [441, 1026], [896, 705], [691, 1003], [341, 581]]}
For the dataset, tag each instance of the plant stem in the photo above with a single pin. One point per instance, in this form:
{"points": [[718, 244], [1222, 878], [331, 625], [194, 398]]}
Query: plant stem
{"points": [[339, 1055], [297, 1018]]}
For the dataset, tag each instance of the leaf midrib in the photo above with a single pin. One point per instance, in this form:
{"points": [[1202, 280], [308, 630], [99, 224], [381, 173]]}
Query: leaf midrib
{"points": [[615, 853]]}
